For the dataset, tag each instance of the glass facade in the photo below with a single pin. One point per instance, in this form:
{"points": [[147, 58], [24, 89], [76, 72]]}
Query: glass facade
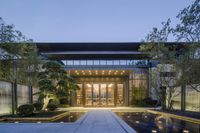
{"points": [[176, 98], [79, 95], [138, 86], [192, 98], [5, 97], [101, 94], [120, 94], [104, 62], [22, 94], [35, 97]]}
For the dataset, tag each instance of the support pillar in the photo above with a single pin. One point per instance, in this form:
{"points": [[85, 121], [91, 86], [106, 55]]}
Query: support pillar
{"points": [[30, 94], [14, 97], [83, 93], [183, 87]]}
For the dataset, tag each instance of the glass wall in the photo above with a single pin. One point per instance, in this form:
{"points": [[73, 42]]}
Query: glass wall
{"points": [[79, 96], [138, 86], [100, 94], [22, 94], [35, 97], [192, 99], [120, 94], [5, 97], [103, 95], [88, 94], [95, 96], [105, 62], [111, 90], [176, 98]]}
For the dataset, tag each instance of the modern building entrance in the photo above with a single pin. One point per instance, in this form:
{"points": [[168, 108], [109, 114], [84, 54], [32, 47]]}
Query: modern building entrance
{"points": [[108, 74]]}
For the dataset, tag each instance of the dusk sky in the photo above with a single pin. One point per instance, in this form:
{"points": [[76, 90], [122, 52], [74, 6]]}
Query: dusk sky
{"points": [[89, 20]]}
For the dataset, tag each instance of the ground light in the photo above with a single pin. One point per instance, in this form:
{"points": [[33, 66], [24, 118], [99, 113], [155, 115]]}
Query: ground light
{"points": [[137, 122], [154, 131], [185, 131]]}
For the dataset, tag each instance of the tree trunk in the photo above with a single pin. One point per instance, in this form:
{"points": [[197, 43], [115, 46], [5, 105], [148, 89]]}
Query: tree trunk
{"points": [[46, 102], [169, 99]]}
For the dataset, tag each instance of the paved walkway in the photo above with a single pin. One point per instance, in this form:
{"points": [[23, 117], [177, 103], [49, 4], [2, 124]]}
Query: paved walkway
{"points": [[113, 109], [95, 121]]}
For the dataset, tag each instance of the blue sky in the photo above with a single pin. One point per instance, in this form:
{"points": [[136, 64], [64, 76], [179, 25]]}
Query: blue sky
{"points": [[89, 20]]}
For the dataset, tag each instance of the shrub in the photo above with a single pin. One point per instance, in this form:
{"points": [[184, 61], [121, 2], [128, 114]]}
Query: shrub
{"points": [[38, 106], [149, 101], [63, 101], [25, 110], [52, 106], [54, 101], [146, 102], [63, 105]]}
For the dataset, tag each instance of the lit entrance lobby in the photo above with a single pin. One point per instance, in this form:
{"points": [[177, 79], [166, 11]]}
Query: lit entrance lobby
{"points": [[101, 87], [106, 73]]}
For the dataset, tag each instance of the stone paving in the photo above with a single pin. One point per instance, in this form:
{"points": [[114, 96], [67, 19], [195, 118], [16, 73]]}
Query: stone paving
{"points": [[94, 121]]}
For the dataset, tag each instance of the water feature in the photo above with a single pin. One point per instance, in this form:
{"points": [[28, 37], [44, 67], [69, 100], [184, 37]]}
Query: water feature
{"points": [[144, 122]]}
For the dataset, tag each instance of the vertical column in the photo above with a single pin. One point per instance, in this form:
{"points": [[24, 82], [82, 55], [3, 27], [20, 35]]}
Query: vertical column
{"points": [[92, 92], [126, 93], [115, 94], [14, 97], [83, 93], [149, 79], [130, 87], [107, 94], [183, 87], [99, 94], [30, 94]]}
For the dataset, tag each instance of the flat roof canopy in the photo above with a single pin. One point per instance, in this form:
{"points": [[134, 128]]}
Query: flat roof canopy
{"points": [[76, 51]]}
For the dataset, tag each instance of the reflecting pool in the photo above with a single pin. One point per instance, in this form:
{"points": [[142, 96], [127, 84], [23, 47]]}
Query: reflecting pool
{"points": [[144, 122]]}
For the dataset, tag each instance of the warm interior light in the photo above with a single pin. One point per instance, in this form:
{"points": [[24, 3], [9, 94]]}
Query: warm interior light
{"points": [[110, 85], [89, 85]]}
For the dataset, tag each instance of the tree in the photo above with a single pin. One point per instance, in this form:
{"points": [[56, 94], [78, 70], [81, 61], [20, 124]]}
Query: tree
{"points": [[54, 82], [8, 33], [189, 56], [184, 59], [188, 29], [19, 58]]}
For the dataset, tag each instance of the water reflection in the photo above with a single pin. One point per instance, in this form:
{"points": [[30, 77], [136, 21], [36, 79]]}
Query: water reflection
{"points": [[147, 123]]}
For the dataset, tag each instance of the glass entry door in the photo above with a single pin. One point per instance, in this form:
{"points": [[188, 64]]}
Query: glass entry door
{"points": [[103, 95], [96, 94], [100, 94]]}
